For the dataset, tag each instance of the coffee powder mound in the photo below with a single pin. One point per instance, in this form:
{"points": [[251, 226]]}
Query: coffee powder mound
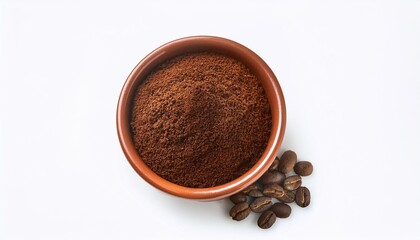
{"points": [[200, 120]]}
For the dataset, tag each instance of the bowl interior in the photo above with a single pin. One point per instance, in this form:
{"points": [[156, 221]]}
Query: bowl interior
{"points": [[195, 44]]}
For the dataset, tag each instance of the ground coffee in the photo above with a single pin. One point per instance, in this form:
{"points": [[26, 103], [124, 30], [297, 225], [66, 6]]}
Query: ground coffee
{"points": [[200, 119]]}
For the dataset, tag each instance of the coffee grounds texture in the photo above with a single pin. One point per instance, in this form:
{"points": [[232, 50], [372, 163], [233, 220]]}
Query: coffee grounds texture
{"points": [[200, 120]]}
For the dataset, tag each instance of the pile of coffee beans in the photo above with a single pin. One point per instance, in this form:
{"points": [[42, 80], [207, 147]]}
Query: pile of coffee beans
{"points": [[278, 184]]}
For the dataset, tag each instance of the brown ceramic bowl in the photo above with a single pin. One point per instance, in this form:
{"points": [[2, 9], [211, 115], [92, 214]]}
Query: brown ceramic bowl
{"points": [[222, 46]]}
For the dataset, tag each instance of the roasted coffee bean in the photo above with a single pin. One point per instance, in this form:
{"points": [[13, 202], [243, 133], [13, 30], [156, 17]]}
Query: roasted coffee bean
{"points": [[272, 176], [274, 184], [255, 193], [287, 161], [266, 219], [281, 210], [303, 168], [275, 164], [254, 186], [288, 197], [260, 204], [273, 190], [240, 211], [238, 198], [292, 183], [303, 197]]}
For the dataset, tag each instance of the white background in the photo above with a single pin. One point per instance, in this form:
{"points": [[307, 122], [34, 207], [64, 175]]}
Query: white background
{"points": [[350, 72]]}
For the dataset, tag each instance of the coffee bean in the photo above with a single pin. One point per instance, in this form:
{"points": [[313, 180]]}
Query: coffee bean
{"points": [[260, 204], [275, 164], [287, 161], [273, 190], [292, 183], [288, 197], [281, 210], [254, 186], [266, 219], [303, 168], [238, 197], [303, 197], [274, 184], [240, 211], [272, 176], [255, 193]]}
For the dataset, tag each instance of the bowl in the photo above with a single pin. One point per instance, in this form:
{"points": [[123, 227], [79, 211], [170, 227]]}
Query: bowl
{"points": [[194, 44]]}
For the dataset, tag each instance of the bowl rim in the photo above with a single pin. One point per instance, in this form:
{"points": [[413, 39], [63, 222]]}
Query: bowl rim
{"points": [[146, 65]]}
